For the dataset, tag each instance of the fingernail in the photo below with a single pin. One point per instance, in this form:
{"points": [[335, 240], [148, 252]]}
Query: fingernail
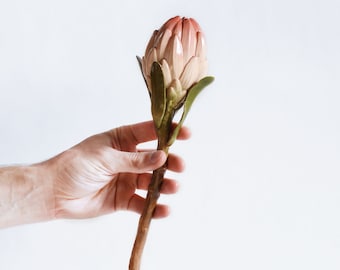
{"points": [[154, 157]]}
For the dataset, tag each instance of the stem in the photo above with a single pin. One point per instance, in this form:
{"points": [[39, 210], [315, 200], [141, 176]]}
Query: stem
{"points": [[145, 218], [151, 197]]}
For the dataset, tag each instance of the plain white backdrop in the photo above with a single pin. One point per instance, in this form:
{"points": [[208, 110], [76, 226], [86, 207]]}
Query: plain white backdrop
{"points": [[261, 188]]}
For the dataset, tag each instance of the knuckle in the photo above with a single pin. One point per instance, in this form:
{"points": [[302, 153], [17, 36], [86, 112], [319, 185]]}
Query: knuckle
{"points": [[135, 161]]}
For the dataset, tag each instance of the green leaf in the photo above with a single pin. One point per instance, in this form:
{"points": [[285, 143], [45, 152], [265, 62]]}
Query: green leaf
{"points": [[158, 94], [189, 100]]}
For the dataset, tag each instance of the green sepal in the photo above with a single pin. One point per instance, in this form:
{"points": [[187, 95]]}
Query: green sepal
{"points": [[158, 94], [189, 100]]}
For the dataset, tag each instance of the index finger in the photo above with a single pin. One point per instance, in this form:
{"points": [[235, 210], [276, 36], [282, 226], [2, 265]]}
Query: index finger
{"points": [[145, 131]]}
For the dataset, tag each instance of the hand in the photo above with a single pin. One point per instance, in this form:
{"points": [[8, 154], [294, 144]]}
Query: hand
{"points": [[101, 174]]}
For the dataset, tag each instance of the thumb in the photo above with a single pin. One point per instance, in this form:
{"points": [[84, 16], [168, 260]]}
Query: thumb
{"points": [[139, 162]]}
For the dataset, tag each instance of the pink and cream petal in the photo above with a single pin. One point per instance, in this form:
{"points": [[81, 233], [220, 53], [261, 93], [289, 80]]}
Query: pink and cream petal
{"points": [[152, 57], [178, 29], [171, 23], [166, 73], [188, 40], [174, 56], [176, 84], [195, 25], [201, 49], [162, 43], [151, 42], [190, 72], [203, 64]]}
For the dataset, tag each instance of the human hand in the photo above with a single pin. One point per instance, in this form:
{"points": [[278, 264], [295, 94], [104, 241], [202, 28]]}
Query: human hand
{"points": [[101, 174]]}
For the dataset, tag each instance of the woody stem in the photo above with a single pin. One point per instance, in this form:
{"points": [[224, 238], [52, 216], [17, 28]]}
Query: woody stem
{"points": [[152, 196]]}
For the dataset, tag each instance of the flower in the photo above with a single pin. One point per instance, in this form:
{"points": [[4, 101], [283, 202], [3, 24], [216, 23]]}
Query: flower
{"points": [[179, 48]]}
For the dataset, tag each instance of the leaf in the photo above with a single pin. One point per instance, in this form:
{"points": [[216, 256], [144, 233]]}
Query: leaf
{"points": [[158, 94], [189, 100]]}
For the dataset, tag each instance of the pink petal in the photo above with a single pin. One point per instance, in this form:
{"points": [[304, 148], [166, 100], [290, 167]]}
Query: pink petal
{"points": [[195, 25], [201, 49], [151, 43], [179, 89], [178, 29], [166, 73], [176, 84], [174, 56], [152, 57], [188, 40], [190, 73], [170, 24], [162, 42], [203, 70]]}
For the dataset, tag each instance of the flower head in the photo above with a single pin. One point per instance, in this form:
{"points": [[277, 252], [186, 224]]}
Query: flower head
{"points": [[179, 48]]}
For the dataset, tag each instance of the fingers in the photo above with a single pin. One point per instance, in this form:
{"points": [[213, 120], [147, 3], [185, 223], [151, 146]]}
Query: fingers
{"points": [[137, 162], [184, 133], [140, 162], [140, 133], [175, 163], [169, 186], [137, 204]]}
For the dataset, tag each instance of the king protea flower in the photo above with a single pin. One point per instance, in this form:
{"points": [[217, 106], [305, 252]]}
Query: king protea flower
{"points": [[179, 47], [174, 68]]}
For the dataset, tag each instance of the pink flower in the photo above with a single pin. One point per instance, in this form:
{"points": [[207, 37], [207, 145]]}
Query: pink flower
{"points": [[179, 47]]}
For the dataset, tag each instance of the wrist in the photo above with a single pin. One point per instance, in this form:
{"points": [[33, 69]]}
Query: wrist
{"points": [[42, 177], [26, 195]]}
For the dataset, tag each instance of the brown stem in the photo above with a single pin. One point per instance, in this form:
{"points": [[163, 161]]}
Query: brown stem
{"points": [[152, 196], [145, 219]]}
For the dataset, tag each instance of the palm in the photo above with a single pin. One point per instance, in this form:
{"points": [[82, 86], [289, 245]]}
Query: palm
{"points": [[102, 173]]}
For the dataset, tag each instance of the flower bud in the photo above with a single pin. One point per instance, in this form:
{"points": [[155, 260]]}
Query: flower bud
{"points": [[179, 47]]}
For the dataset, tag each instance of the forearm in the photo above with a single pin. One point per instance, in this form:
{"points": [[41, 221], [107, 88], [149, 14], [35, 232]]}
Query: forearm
{"points": [[26, 195]]}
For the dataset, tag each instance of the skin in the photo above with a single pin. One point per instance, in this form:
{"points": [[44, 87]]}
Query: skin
{"points": [[98, 176]]}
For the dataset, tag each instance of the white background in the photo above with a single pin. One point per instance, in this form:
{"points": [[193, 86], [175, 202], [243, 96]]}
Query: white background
{"points": [[262, 184]]}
